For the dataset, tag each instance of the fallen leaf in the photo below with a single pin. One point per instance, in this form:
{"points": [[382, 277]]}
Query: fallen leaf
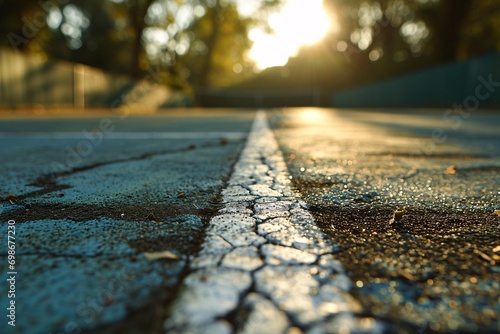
{"points": [[108, 301], [11, 198], [181, 195], [161, 255], [484, 256], [404, 274], [398, 215], [496, 257], [496, 212], [451, 170]]}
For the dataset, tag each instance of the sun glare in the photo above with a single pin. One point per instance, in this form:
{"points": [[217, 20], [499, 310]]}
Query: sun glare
{"points": [[299, 23], [310, 115]]}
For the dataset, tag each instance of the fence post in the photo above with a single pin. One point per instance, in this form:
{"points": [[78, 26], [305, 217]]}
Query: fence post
{"points": [[316, 96], [78, 86]]}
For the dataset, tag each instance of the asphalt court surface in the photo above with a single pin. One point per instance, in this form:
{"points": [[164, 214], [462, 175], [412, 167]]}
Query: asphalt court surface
{"points": [[96, 198]]}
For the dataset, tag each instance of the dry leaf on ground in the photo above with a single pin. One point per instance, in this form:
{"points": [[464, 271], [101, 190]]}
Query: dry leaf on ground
{"points": [[152, 256], [451, 170]]}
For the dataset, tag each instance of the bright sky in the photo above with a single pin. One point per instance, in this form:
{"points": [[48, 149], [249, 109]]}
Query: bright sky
{"points": [[299, 23]]}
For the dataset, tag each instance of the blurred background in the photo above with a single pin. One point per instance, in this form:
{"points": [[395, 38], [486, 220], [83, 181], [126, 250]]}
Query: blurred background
{"points": [[152, 54]]}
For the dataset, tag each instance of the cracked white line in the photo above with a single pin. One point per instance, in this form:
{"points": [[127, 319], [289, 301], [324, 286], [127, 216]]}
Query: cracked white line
{"points": [[264, 266]]}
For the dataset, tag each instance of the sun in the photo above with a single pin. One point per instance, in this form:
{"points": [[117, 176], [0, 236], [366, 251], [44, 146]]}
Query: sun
{"points": [[299, 23]]}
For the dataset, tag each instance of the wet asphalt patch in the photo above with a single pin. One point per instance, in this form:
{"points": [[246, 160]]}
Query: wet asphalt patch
{"points": [[436, 269]]}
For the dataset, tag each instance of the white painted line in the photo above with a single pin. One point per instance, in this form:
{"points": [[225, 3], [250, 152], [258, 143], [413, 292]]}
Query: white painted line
{"points": [[127, 135], [264, 256]]}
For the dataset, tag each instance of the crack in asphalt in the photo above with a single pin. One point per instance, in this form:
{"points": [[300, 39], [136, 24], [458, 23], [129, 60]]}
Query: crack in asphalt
{"points": [[76, 256], [48, 182], [152, 315], [136, 216], [115, 211]]}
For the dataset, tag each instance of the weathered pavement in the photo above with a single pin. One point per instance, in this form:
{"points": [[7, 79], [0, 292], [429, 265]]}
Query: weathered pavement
{"points": [[94, 197], [246, 252], [438, 268], [265, 267]]}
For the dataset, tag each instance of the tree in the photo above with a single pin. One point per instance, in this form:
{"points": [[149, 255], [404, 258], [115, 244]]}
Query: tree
{"points": [[23, 24], [195, 42], [137, 10], [481, 29], [89, 32], [202, 42], [379, 39], [217, 53], [402, 29]]}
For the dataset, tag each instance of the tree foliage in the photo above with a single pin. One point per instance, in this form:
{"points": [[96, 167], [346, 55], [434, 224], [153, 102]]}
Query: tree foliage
{"points": [[400, 29], [378, 39], [199, 43], [481, 29], [382, 38]]}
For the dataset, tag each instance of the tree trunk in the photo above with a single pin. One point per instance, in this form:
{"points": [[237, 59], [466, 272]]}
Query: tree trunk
{"points": [[456, 12], [211, 42], [137, 13]]}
